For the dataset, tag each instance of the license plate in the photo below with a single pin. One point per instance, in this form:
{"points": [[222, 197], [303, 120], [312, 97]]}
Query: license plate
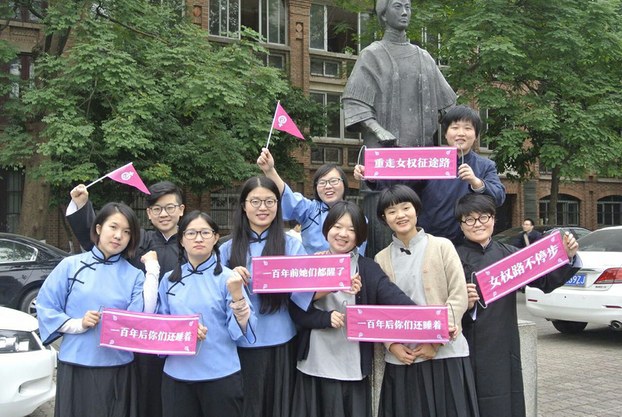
{"points": [[576, 281]]}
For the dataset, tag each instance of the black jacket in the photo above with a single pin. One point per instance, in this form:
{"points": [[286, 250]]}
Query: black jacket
{"points": [[493, 336], [376, 289]]}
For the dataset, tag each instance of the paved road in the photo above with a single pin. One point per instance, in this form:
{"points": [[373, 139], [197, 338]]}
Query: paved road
{"points": [[578, 375]]}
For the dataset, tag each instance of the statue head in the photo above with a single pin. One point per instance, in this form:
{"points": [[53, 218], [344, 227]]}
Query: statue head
{"points": [[393, 13]]}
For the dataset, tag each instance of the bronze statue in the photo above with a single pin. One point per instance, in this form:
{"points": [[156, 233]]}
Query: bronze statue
{"points": [[394, 97]]}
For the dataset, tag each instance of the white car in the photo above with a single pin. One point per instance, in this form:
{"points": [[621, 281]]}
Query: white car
{"points": [[26, 366], [594, 294]]}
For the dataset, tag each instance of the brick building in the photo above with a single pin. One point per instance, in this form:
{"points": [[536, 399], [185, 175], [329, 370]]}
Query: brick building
{"points": [[314, 42]]}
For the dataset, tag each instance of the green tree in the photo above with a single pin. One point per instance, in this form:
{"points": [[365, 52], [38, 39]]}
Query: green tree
{"points": [[549, 71], [140, 83]]}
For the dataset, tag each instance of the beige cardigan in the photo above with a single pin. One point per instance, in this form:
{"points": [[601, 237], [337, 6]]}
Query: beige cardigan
{"points": [[443, 276]]}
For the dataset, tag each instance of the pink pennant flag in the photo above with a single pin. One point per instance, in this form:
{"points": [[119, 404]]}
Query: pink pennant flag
{"points": [[283, 122], [127, 175]]}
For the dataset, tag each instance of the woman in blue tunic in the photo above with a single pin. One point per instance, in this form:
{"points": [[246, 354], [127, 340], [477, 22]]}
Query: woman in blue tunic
{"points": [[268, 365], [330, 185], [92, 380], [333, 378], [209, 383]]}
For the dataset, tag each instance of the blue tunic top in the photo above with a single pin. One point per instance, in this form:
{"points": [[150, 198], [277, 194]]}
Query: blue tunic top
{"points": [[310, 214], [88, 282], [275, 328], [201, 292]]}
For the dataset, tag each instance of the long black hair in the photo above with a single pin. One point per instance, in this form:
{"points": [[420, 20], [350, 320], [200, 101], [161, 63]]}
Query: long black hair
{"points": [[275, 242], [182, 226]]}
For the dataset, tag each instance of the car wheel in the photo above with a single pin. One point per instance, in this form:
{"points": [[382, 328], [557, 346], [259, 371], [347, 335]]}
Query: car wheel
{"points": [[28, 303], [569, 326]]}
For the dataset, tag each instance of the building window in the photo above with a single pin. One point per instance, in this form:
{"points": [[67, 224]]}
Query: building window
{"points": [[11, 186], [325, 68], [321, 155], [353, 156], [224, 18], [266, 17], [335, 127], [332, 29], [567, 210], [275, 60], [609, 211], [223, 207], [431, 42]]}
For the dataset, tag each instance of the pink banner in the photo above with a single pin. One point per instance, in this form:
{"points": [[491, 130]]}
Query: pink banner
{"points": [[149, 333], [440, 162], [406, 324], [522, 267], [273, 274]]}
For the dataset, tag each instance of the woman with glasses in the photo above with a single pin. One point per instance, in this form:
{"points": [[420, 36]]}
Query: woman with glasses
{"points": [[164, 209], [268, 364], [492, 331], [330, 185], [208, 384], [428, 269], [334, 373]]}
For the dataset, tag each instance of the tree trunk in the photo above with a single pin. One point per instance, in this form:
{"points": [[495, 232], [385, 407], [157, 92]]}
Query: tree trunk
{"points": [[551, 213], [35, 202]]}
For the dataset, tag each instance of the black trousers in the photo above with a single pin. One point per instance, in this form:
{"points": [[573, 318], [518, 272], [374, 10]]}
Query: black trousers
{"points": [[216, 398]]}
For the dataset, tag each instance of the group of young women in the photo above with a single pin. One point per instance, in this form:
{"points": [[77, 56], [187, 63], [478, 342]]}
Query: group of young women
{"points": [[265, 355]]}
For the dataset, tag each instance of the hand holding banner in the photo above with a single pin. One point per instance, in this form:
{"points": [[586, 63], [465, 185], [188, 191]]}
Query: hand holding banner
{"points": [[405, 324], [439, 162], [157, 334], [275, 274], [522, 267]]}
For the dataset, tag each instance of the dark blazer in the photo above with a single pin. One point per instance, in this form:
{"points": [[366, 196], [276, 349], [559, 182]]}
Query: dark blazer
{"points": [[376, 289]]}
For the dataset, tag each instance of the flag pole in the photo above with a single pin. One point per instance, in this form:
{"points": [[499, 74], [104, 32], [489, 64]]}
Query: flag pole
{"points": [[272, 125], [97, 180], [101, 178]]}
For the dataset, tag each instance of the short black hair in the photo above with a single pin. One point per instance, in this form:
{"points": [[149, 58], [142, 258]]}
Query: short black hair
{"points": [[474, 203], [111, 209], [338, 210], [530, 220], [397, 194], [160, 189], [325, 169], [461, 114]]}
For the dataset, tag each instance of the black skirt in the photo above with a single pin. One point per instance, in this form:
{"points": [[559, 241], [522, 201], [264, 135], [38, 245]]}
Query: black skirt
{"points": [[268, 374], [95, 391], [433, 388], [323, 397]]}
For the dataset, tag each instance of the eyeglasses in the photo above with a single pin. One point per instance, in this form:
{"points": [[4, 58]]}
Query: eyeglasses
{"points": [[483, 219], [331, 181], [268, 202], [169, 209], [192, 234]]}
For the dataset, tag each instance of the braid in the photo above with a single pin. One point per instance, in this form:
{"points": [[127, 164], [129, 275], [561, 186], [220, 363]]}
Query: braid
{"points": [[218, 268], [176, 274]]}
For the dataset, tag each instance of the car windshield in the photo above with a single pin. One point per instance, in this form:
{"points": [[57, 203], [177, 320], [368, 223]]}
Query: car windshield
{"points": [[602, 241]]}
